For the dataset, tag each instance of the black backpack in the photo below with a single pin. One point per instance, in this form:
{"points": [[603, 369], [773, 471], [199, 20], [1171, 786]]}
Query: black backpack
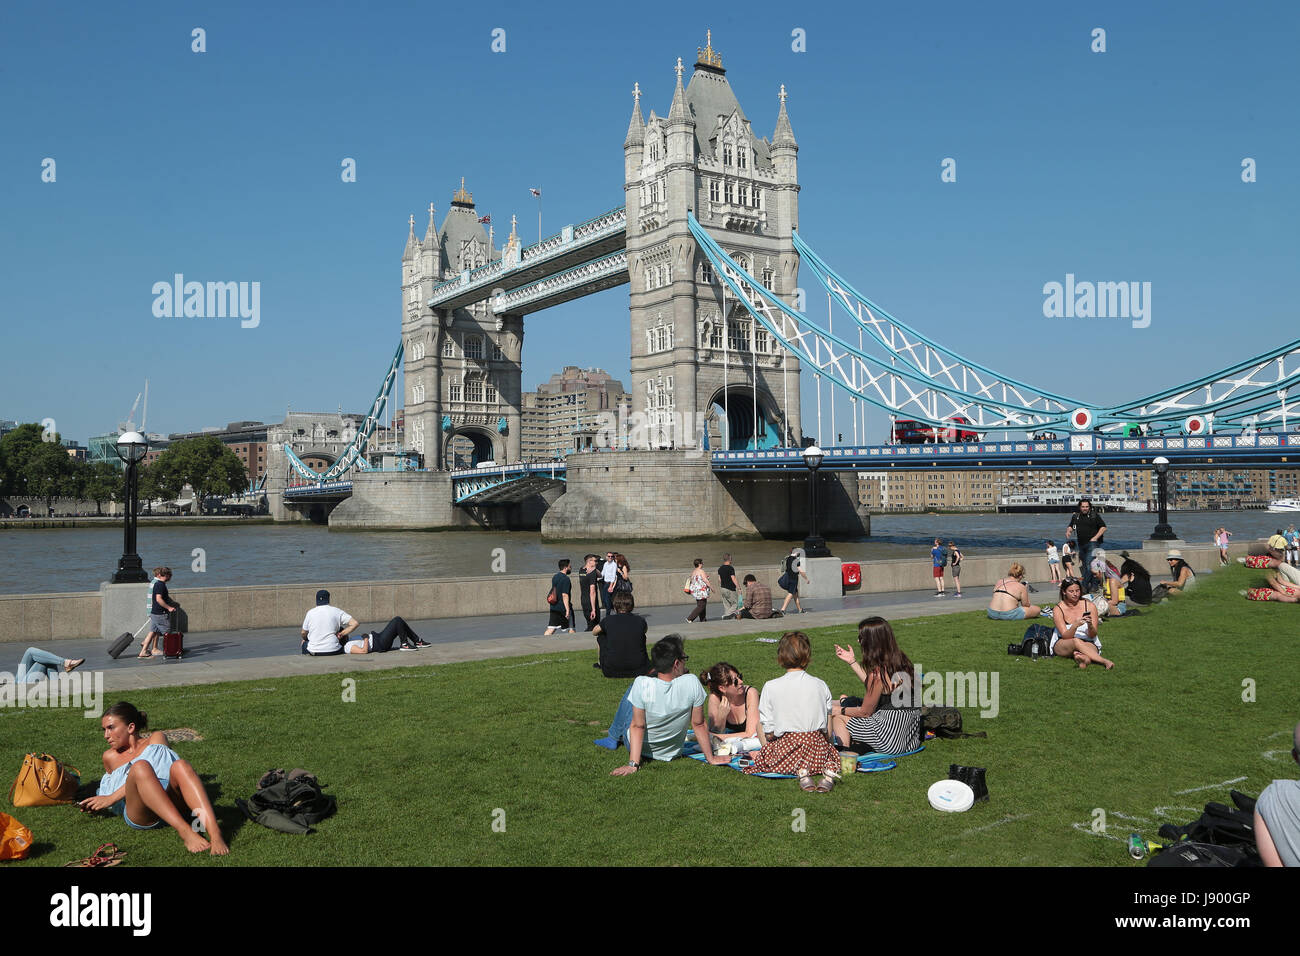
{"points": [[1036, 634], [1221, 836], [288, 802], [945, 722]]}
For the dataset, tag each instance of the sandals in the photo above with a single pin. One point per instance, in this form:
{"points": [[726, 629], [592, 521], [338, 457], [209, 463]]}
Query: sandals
{"points": [[806, 782], [107, 855], [71, 665], [826, 784]]}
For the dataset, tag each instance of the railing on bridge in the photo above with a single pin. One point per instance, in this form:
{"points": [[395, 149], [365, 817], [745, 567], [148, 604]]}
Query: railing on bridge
{"points": [[505, 482], [570, 238], [1080, 450], [597, 270]]}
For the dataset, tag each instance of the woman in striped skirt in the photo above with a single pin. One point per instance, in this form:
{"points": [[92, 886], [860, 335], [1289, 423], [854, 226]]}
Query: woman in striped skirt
{"points": [[878, 724]]}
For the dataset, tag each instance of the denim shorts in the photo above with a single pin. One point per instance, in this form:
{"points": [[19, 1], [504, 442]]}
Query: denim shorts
{"points": [[1015, 614]]}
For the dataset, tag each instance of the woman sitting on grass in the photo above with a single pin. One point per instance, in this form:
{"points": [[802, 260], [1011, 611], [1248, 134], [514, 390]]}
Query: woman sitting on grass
{"points": [[733, 705], [1279, 589], [793, 710], [148, 784], [875, 723], [1011, 597], [1183, 576], [37, 664], [1077, 624]]}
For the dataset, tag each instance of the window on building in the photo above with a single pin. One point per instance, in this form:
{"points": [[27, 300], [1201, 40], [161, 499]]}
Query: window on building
{"points": [[738, 335], [474, 346], [715, 335], [453, 391], [742, 153], [473, 391], [449, 347], [497, 354], [706, 272], [715, 193], [769, 280], [755, 196], [490, 393], [727, 192], [726, 155], [742, 194]]}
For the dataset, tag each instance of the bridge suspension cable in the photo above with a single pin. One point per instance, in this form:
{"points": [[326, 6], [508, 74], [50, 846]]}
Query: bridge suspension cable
{"points": [[896, 389], [355, 452]]}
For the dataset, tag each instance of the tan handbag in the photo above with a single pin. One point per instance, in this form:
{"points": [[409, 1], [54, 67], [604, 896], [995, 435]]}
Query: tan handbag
{"points": [[44, 782]]}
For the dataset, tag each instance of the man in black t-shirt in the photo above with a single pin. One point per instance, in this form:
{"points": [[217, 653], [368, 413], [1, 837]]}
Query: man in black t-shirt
{"points": [[589, 581], [730, 596], [1090, 527], [621, 637], [562, 610]]}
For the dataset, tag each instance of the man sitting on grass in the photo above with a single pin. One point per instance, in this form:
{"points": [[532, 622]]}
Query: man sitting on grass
{"points": [[758, 601], [1277, 817], [325, 627], [663, 707]]}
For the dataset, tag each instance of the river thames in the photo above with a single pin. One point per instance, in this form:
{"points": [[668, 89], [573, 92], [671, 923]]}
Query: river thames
{"points": [[78, 559]]}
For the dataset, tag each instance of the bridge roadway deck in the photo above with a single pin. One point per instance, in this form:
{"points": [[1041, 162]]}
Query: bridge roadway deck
{"points": [[213, 657]]}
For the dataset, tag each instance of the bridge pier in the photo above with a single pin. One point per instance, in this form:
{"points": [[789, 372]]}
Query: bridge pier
{"points": [[675, 494], [423, 500]]}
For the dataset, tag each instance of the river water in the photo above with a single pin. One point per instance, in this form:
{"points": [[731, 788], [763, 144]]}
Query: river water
{"points": [[78, 559]]}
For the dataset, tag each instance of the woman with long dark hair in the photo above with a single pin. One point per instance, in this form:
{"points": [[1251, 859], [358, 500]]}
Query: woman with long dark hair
{"points": [[1077, 623], [878, 723], [148, 784], [733, 704]]}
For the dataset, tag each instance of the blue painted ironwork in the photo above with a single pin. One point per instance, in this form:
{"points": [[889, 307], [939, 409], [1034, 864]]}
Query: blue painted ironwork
{"points": [[472, 486], [356, 449]]}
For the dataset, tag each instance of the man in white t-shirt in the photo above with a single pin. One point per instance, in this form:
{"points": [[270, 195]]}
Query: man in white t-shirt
{"points": [[663, 707], [608, 574], [325, 627]]}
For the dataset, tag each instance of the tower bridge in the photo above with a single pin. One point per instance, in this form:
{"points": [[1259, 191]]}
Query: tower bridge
{"points": [[707, 240]]}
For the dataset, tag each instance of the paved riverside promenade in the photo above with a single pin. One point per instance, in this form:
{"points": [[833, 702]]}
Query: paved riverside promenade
{"points": [[253, 654]]}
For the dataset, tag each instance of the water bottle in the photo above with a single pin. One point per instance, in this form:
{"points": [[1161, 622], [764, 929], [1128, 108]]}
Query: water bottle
{"points": [[1033, 651]]}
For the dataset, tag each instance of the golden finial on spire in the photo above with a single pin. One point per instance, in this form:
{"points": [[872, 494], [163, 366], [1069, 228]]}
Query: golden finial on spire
{"points": [[709, 56], [463, 196]]}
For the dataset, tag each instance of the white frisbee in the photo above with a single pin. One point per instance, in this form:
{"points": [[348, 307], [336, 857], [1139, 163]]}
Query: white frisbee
{"points": [[951, 796]]}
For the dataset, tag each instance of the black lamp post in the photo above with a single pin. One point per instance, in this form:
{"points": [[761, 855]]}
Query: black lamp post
{"points": [[814, 545], [1162, 532], [131, 448]]}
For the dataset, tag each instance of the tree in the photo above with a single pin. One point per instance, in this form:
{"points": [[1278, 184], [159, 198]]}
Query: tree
{"points": [[101, 482], [49, 472], [206, 465], [16, 450]]}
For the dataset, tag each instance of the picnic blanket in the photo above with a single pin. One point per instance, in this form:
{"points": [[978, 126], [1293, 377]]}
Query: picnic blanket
{"points": [[867, 763]]}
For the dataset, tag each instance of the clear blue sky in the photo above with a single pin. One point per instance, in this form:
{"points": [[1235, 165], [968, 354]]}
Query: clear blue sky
{"points": [[225, 166]]}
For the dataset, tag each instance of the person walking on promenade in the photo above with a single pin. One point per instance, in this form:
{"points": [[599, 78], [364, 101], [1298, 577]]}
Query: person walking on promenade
{"points": [[1053, 562], [589, 584], [1067, 558], [727, 588], [955, 558], [789, 580], [1090, 528], [562, 608], [325, 627], [697, 586], [938, 559], [160, 610], [608, 575]]}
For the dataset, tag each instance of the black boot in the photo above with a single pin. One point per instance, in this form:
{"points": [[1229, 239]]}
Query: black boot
{"points": [[975, 780]]}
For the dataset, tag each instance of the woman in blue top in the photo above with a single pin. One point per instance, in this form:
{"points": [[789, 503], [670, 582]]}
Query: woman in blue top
{"points": [[148, 784]]}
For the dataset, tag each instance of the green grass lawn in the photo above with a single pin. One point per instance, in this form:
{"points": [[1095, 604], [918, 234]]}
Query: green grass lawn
{"points": [[426, 758]]}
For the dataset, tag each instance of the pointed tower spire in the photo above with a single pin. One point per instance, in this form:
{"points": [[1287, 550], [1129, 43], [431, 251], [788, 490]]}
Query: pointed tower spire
{"points": [[679, 111], [411, 244], [431, 233], [636, 126], [784, 135]]}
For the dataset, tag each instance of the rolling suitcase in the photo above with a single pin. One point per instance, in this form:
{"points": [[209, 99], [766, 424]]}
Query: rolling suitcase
{"points": [[173, 645], [124, 640]]}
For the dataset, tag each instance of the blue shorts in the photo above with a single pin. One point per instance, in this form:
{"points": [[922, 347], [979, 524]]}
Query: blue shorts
{"points": [[1015, 614]]}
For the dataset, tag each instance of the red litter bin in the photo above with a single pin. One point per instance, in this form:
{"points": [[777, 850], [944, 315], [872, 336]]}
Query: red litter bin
{"points": [[851, 574]]}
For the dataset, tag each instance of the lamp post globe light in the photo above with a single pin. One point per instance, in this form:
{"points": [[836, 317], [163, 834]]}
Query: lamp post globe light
{"points": [[1162, 531], [131, 448], [814, 545]]}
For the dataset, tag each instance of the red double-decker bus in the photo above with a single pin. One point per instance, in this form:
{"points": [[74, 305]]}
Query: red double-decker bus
{"points": [[908, 432]]}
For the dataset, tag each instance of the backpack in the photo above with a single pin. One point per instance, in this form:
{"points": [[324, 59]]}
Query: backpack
{"points": [[944, 722], [1221, 836], [1039, 634], [288, 802]]}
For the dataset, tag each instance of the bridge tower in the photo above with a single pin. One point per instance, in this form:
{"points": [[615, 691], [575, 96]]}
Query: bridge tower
{"points": [[689, 360], [462, 366]]}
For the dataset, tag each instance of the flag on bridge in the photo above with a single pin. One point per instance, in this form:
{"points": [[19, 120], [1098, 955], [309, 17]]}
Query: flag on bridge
{"points": [[485, 219], [535, 192]]}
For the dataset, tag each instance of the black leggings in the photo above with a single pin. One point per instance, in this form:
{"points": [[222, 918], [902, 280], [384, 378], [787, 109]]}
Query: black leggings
{"points": [[395, 628]]}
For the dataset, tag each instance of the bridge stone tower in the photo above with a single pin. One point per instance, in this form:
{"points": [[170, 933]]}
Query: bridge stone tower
{"points": [[704, 157], [462, 366]]}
